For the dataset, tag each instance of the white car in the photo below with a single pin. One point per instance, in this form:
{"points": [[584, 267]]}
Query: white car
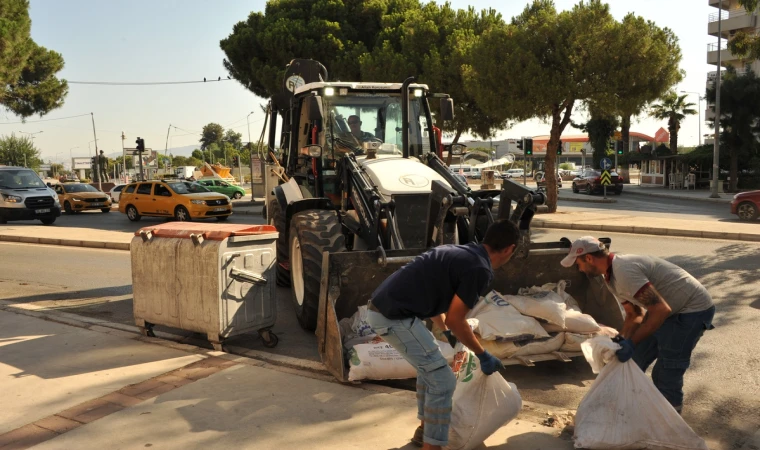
{"points": [[115, 192], [513, 173]]}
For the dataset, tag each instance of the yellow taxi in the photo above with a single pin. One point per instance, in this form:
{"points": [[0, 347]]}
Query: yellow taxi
{"points": [[78, 197], [182, 200]]}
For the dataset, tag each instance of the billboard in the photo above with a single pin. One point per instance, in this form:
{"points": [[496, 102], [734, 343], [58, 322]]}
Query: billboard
{"points": [[81, 163]]}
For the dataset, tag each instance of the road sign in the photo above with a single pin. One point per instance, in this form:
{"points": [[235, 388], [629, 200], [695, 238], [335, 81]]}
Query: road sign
{"points": [[606, 163], [606, 179], [133, 151], [81, 163], [617, 135]]}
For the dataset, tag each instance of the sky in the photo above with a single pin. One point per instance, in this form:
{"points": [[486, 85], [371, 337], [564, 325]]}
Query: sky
{"points": [[178, 40]]}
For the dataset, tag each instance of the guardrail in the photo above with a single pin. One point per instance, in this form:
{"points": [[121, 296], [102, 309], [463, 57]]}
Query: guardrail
{"points": [[713, 17]]}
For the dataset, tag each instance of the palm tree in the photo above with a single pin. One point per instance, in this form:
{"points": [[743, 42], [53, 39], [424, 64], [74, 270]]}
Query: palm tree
{"points": [[674, 108]]}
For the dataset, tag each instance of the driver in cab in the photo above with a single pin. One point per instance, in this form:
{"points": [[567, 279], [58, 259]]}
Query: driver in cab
{"points": [[355, 125]]}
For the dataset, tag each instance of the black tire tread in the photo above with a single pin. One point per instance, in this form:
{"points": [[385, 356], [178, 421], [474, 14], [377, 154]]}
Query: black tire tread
{"points": [[319, 231], [278, 220]]}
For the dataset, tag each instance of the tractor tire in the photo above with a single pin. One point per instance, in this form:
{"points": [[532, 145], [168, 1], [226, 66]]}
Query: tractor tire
{"points": [[276, 217], [311, 233]]}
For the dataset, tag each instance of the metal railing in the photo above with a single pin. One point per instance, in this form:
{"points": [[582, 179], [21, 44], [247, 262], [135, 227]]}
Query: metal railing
{"points": [[730, 14], [713, 47]]}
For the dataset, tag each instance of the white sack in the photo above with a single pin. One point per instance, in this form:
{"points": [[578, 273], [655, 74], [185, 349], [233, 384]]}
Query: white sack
{"points": [[544, 305], [540, 346], [482, 404], [624, 410], [498, 320], [577, 322], [378, 360], [558, 288], [573, 341]]}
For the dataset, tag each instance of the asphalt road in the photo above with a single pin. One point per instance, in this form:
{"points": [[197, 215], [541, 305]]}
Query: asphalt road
{"points": [[722, 386]]}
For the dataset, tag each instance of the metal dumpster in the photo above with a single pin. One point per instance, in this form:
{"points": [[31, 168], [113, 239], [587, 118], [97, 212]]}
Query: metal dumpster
{"points": [[213, 279]]}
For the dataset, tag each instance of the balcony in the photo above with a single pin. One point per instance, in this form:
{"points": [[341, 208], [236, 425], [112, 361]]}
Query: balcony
{"points": [[725, 54], [735, 19], [724, 4]]}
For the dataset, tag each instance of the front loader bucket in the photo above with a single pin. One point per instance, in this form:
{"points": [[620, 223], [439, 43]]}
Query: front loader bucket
{"points": [[350, 278], [348, 281]]}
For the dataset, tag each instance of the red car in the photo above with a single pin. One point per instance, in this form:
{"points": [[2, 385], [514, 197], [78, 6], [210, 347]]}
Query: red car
{"points": [[746, 205]]}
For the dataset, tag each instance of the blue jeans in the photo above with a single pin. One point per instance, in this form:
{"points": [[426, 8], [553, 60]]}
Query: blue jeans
{"points": [[435, 380], [671, 345]]}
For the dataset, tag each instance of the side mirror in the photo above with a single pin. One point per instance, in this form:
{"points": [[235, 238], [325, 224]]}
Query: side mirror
{"points": [[447, 109], [458, 149]]}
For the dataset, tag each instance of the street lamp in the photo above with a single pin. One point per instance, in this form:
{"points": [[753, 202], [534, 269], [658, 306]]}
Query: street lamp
{"points": [[699, 110], [32, 135]]}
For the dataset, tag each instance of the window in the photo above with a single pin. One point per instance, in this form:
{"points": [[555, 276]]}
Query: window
{"points": [[118, 188], [58, 189], [144, 188], [130, 189], [162, 191]]}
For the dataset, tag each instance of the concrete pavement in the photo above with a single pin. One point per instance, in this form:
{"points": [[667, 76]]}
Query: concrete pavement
{"points": [[66, 386]]}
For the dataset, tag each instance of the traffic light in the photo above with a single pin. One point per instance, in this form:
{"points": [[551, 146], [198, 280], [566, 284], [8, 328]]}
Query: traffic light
{"points": [[236, 160], [559, 148], [619, 145], [140, 144], [521, 144], [611, 145], [528, 146], [93, 162]]}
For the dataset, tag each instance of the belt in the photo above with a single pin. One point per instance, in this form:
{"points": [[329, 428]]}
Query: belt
{"points": [[372, 307]]}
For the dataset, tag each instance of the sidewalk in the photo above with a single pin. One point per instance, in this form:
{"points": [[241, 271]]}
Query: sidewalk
{"points": [[702, 195], [70, 387]]}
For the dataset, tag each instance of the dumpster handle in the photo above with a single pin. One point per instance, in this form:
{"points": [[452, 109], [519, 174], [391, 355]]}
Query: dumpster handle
{"points": [[244, 276], [197, 239], [146, 235]]}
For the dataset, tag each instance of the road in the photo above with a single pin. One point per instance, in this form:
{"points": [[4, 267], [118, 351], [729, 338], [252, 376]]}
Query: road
{"points": [[722, 387]]}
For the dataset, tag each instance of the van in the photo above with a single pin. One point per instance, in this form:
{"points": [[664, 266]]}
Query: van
{"points": [[24, 196], [513, 173]]}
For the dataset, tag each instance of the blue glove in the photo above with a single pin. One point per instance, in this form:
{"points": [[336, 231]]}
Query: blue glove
{"points": [[489, 363], [626, 350], [451, 338]]}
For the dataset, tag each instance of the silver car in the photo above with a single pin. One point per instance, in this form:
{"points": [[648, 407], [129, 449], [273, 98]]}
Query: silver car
{"points": [[24, 196]]}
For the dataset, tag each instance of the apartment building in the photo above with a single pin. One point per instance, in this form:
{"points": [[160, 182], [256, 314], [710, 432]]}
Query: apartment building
{"points": [[733, 18]]}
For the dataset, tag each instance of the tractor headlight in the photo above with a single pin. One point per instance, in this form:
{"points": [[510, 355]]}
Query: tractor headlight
{"points": [[418, 93], [329, 91]]}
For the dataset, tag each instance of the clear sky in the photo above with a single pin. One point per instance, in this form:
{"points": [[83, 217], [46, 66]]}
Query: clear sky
{"points": [[178, 40]]}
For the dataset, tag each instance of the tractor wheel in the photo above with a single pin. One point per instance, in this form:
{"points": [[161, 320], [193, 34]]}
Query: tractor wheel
{"points": [[276, 217], [311, 233]]}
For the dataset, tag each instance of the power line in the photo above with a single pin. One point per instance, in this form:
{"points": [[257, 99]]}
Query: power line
{"points": [[43, 120], [145, 83]]}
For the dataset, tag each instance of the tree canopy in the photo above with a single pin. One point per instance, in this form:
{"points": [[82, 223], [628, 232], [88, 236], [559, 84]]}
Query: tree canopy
{"points": [[19, 151], [28, 84], [674, 108], [360, 40], [743, 43]]}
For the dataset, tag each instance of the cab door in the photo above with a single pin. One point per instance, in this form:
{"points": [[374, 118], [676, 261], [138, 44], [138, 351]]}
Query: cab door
{"points": [[163, 200], [142, 199]]}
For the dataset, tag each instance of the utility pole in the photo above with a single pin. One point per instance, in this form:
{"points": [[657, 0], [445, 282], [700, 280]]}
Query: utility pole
{"points": [[166, 147], [716, 147], [97, 164], [250, 153], [124, 159]]}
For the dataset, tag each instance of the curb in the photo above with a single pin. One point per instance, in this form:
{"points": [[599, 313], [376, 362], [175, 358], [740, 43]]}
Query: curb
{"points": [[587, 200], [65, 242], [628, 229], [679, 197]]}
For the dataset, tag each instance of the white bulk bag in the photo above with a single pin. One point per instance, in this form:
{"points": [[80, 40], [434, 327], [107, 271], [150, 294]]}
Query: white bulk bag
{"points": [[624, 410], [482, 404], [544, 305], [378, 360], [498, 320]]}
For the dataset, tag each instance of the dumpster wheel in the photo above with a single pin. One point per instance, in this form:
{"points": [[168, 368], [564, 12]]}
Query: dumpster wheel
{"points": [[312, 233], [147, 330], [269, 339]]}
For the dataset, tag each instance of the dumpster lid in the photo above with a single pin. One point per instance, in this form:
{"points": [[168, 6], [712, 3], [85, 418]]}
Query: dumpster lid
{"points": [[213, 232]]}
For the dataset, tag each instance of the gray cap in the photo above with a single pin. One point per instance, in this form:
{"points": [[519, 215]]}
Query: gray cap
{"points": [[581, 246]]}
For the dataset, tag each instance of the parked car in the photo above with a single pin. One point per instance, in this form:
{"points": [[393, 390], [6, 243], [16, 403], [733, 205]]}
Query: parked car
{"points": [[746, 205], [540, 178], [182, 200], [115, 192], [513, 173], [223, 187], [590, 181], [78, 197]]}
